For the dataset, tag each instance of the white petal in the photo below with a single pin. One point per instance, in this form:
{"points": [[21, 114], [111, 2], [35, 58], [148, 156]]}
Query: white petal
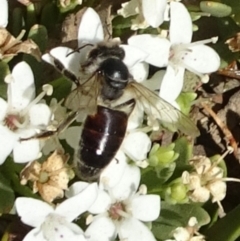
{"points": [[136, 117], [172, 83], [7, 140], [112, 174], [26, 151], [181, 24], [73, 207], [153, 11], [101, 204], [146, 207], [76, 188], [101, 229], [32, 211], [71, 62], [35, 235], [202, 59], [133, 230], [40, 114], [133, 55], [3, 13], [157, 48], [128, 184], [129, 8], [139, 71], [90, 29], [155, 81], [21, 90], [136, 145], [3, 109]]}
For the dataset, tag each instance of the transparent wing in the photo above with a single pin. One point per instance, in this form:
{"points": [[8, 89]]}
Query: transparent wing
{"points": [[85, 96], [158, 109]]}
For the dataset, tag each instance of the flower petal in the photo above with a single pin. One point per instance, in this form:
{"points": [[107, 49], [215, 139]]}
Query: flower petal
{"points": [[32, 211], [133, 230], [76, 188], [146, 207], [3, 109], [133, 55], [172, 84], [101, 204], [112, 174], [153, 11], [129, 8], [136, 117], [136, 145], [155, 81], [3, 13], [71, 62], [26, 151], [35, 235], [157, 48], [202, 59], [181, 24], [73, 207], [40, 115], [128, 184], [139, 71], [101, 229], [21, 90], [90, 29], [7, 140]]}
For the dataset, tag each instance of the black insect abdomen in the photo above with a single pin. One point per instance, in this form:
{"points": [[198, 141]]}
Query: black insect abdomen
{"points": [[101, 138]]}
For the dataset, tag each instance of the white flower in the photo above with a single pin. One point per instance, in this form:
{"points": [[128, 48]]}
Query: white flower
{"points": [[55, 224], [121, 210], [189, 233], [3, 13], [177, 53], [21, 117], [206, 181], [149, 12]]}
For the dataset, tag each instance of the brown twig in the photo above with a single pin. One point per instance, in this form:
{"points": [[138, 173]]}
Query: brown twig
{"points": [[223, 127]]}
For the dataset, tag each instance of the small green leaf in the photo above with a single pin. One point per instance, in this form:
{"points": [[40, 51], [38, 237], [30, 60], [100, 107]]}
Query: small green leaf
{"points": [[173, 216], [4, 70], [6, 194], [185, 100], [215, 9]]}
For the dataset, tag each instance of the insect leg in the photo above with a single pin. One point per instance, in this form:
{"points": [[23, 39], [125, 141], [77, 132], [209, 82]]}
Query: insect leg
{"points": [[46, 134]]}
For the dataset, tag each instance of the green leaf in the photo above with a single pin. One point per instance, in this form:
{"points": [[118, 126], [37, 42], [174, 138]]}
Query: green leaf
{"points": [[4, 70], [226, 228], [61, 88], [173, 216], [185, 149], [215, 9], [6, 194], [185, 100]]}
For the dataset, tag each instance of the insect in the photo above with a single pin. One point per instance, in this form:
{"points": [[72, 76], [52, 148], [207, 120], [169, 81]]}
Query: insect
{"points": [[109, 96]]}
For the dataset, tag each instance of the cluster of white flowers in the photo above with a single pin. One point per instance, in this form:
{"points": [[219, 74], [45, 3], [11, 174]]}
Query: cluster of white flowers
{"points": [[119, 207]]}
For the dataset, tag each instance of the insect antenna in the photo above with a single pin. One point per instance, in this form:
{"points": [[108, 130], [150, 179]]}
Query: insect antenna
{"points": [[79, 48]]}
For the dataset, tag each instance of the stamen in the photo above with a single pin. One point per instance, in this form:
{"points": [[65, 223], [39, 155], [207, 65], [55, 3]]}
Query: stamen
{"points": [[47, 90], [122, 213], [205, 41]]}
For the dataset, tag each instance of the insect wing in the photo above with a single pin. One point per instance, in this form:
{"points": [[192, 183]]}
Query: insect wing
{"points": [[158, 109], [84, 96]]}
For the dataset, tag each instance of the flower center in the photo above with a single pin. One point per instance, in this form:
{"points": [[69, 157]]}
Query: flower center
{"points": [[116, 211], [43, 177], [13, 121]]}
